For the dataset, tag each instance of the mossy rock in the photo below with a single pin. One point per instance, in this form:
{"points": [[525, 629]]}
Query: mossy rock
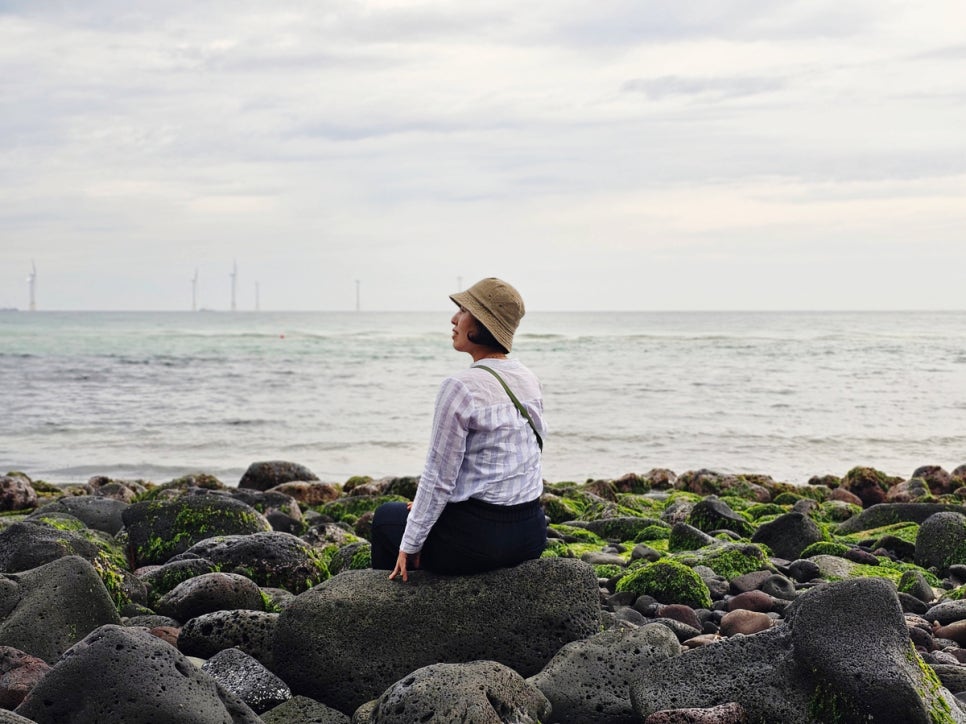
{"points": [[350, 557], [639, 505], [622, 529], [836, 511], [203, 481], [658, 531], [761, 511], [729, 560], [349, 508], [685, 537], [608, 570], [559, 509], [272, 559], [825, 548], [159, 530], [713, 514], [668, 582], [556, 548], [574, 534]]}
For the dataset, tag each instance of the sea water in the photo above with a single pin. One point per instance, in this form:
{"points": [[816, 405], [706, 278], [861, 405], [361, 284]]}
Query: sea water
{"points": [[156, 395]]}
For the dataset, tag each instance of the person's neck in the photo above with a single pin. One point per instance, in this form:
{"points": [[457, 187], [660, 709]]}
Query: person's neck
{"points": [[484, 353]]}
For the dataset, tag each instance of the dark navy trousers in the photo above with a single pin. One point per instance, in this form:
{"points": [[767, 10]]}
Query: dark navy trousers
{"points": [[469, 537]]}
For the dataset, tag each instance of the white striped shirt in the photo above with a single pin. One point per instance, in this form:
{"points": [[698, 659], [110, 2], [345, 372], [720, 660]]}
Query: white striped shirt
{"points": [[481, 446]]}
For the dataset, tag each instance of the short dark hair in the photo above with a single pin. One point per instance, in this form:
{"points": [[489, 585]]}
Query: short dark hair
{"points": [[482, 336]]}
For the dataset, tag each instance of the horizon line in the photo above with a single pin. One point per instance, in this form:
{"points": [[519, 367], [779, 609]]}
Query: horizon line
{"points": [[728, 310]]}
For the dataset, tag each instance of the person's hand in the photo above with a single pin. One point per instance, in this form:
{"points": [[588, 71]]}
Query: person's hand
{"points": [[402, 562]]}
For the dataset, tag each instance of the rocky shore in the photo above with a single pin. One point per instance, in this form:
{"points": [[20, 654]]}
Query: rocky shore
{"points": [[661, 598]]}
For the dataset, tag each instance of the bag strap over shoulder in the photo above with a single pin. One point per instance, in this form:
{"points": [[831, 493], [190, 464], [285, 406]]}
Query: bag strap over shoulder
{"points": [[519, 405]]}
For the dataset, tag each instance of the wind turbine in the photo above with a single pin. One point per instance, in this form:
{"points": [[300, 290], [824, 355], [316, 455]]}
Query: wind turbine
{"points": [[32, 281], [234, 280], [194, 291]]}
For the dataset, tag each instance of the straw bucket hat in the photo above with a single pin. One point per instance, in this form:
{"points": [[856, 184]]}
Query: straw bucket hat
{"points": [[496, 305]]}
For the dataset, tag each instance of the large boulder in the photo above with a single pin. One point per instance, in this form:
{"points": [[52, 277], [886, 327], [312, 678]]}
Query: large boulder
{"points": [[890, 513], [119, 674], [45, 611], [941, 541], [28, 544], [712, 514], [268, 474], [252, 632], [788, 535], [521, 616], [479, 691], [161, 529], [97, 512], [844, 654], [210, 592], [587, 681], [272, 559]]}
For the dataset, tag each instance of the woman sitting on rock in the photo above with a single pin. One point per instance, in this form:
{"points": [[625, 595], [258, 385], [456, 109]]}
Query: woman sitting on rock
{"points": [[477, 506]]}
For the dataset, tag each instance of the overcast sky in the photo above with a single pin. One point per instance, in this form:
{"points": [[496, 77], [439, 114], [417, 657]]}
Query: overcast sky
{"points": [[599, 154]]}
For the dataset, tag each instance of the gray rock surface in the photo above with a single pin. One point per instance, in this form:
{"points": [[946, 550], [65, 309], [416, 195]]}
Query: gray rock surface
{"points": [[250, 631], [269, 473], [210, 592], [587, 681], [161, 529], [247, 679], [941, 541], [303, 710], [97, 512], [119, 674], [27, 545], [889, 513], [843, 654], [788, 535], [270, 558], [346, 640], [482, 692], [46, 610]]}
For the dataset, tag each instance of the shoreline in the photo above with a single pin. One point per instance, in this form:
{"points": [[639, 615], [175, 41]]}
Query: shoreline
{"points": [[761, 595]]}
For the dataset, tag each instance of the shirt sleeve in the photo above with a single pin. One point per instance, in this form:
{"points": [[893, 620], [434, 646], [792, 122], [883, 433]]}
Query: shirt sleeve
{"points": [[447, 447]]}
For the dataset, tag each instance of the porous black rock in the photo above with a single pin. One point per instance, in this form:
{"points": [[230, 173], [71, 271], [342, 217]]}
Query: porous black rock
{"points": [[159, 580], [303, 710], [478, 691], [587, 681], [250, 631], [941, 541], [843, 654], [711, 514], [269, 473], [211, 592], [518, 616], [97, 512], [26, 545], [158, 530], [788, 535], [118, 674], [889, 513], [270, 558], [247, 679], [46, 610]]}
